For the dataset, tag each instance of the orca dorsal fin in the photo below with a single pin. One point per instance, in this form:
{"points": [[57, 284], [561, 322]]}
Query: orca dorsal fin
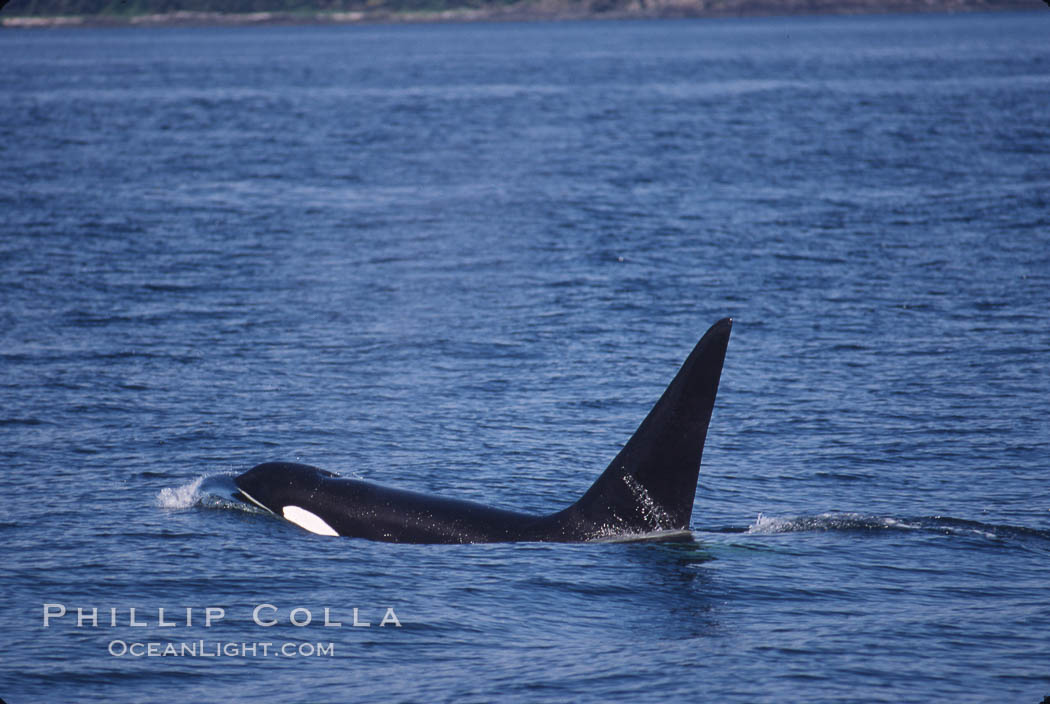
{"points": [[651, 483]]}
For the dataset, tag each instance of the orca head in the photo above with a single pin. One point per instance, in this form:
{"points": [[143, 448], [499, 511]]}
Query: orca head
{"points": [[284, 488]]}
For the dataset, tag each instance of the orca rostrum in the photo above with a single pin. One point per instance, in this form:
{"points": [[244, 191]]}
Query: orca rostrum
{"points": [[646, 491]]}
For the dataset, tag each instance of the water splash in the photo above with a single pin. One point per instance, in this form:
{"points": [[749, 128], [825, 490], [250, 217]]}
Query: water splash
{"points": [[180, 497], [214, 491], [654, 513]]}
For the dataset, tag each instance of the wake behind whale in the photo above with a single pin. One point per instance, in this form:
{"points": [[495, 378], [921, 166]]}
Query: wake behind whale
{"points": [[647, 489]]}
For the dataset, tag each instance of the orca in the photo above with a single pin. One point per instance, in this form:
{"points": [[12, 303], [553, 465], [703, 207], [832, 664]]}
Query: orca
{"points": [[646, 491]]}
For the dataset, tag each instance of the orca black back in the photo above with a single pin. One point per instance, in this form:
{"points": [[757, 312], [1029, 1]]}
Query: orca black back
{"points": [[648, 488]]}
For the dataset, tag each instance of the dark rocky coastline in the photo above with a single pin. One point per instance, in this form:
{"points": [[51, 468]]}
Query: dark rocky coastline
{"points": [[35, 13]]}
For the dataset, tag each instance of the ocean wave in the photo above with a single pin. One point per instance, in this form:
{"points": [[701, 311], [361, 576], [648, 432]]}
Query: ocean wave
{"points": [[768, 525]]}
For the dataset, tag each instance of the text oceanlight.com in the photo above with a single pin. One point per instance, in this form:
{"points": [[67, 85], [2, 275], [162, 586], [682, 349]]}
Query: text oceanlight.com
{"points": [[218, 649]]}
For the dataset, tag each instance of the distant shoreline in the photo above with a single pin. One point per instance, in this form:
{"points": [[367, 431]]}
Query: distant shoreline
{"points": [[532, 11]]}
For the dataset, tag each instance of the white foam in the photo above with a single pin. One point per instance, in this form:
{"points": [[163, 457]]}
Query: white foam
{"points": [[652, 536], [765, 525], [181, 496], [768, 524]]}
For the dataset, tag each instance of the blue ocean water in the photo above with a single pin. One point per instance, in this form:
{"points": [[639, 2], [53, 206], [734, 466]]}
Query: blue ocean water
{"points": [[466, 259]]}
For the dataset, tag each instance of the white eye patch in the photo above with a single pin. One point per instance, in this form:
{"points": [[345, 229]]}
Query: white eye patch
{"points": [[310, 521]]}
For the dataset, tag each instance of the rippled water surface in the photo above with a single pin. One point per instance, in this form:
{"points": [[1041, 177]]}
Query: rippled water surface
{"points": [[467, 260]]}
